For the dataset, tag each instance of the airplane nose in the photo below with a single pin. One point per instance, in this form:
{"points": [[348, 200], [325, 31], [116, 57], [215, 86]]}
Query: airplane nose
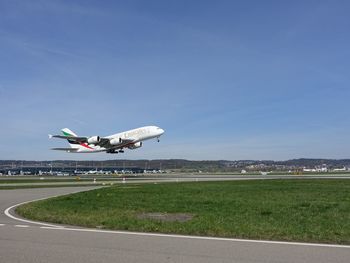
{"points": [[161, 131]]}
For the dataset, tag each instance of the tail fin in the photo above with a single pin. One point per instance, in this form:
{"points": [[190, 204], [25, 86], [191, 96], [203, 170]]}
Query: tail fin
{"points": [[68, 132]]}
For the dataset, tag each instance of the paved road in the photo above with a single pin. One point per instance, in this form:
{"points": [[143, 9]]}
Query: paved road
{"points": [[26, 242]]}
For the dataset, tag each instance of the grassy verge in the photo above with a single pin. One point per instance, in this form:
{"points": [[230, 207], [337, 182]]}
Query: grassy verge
{"points": [[293, 210]]}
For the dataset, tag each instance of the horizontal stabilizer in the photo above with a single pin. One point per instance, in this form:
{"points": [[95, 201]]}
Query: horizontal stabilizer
{"points": [[66, 149]]}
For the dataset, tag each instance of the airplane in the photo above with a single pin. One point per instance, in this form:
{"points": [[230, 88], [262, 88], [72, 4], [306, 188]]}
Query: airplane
{"points": [[115, 143]]}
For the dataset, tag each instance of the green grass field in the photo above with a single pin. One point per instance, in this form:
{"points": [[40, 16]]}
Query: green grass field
{"points": [[291, 210]]}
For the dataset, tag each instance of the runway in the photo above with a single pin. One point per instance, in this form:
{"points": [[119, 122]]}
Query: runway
{"points": [[100, 180], [31, 242]]}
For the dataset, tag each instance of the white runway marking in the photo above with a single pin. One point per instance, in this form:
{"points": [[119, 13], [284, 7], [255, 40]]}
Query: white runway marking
{"points": [[47, 227], [21, 226], [195, 237], [2, 224], [7, 213]]}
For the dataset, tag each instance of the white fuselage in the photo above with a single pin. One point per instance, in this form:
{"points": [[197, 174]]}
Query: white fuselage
{"points": [[139, 134], [132, 137]]}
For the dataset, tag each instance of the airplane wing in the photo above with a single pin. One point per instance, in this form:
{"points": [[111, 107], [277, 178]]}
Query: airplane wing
{"points": [[80, 139], [124, 141], [73, 138], [105, 142], [65, 149]]}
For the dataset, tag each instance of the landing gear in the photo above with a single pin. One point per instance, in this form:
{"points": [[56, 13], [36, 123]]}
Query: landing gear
{"points": [[121, 151], [157, 139]]}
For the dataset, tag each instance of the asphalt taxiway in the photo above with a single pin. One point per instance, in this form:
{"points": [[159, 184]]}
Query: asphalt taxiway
{"points": [[25, 241]]}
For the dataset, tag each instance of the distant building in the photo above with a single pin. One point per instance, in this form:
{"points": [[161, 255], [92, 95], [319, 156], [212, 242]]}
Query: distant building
{"points": [[322, 169], [339, 169], [309, 170]]}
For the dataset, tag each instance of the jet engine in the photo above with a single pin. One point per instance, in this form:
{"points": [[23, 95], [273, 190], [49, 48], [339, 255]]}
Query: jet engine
{"points": [[93, 140], [135, 145], [116, 141]]}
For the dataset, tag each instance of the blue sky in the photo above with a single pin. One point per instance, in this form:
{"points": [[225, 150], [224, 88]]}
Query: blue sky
{"points": [[225, 79]]}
